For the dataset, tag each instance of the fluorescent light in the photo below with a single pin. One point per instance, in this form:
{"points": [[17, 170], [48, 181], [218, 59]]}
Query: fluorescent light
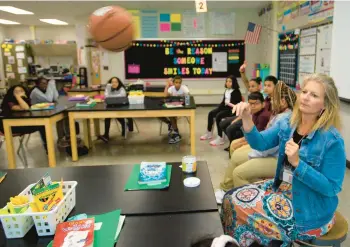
{"points": [[7, 22], [15, 11], [54, 21]]}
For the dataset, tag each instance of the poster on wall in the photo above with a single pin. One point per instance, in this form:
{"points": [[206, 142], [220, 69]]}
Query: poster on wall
{"points": [[222, 23], [308, 45], [307, 64], [219, 61], [193, 24], [324, 36], [321, 11]]}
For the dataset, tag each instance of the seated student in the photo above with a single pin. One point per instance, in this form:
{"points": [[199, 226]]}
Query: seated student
{"points": [[16, 99], [301, 200], [176, 90], [269, 85], [44, 91], [247, 165], [231, 97], [169, 83], [115, 88]]}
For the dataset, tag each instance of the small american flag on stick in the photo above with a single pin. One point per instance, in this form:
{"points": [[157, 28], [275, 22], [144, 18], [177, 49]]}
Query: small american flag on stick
{"points": [[253, 33]]}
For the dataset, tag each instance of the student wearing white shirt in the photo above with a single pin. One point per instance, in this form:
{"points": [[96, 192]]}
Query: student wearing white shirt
{"points": [[176, 90], [231, 97]]}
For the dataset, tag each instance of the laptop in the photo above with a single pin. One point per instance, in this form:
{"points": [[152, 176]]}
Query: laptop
{"points": [[116, 101]]}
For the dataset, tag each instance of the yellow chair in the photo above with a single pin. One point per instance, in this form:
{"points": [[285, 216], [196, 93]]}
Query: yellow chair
{"points": [[334, 237]]}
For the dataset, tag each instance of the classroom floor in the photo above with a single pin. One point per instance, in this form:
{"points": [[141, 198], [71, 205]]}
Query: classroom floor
{"points": [[148, 145]]}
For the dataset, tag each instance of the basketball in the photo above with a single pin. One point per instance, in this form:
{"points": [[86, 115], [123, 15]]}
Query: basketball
{"points": [[112, 28]]}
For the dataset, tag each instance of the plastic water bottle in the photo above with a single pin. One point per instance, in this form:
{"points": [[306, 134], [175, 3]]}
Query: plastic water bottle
{"points": [[187, 100]]}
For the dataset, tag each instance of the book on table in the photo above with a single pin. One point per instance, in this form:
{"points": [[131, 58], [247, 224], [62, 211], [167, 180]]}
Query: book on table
{"points": [[152, 173]]}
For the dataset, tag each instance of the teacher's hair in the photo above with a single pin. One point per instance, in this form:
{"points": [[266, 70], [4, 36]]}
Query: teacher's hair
{"points": [[330, 116]]}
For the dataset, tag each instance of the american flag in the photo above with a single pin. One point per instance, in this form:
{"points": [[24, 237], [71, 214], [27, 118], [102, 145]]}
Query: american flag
{"points": [[253, 33]]}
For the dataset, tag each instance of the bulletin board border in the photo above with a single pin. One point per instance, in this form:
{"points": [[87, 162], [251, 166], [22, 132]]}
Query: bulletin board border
{"points": [[204, 39]]}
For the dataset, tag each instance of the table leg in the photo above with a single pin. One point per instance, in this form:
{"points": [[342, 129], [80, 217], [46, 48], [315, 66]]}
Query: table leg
{"points": [[97, 126], [73, 138], [86, 129], [50, 143], [9, 146], [193, 133]]}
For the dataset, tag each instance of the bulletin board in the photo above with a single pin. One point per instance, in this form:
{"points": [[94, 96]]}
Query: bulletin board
{"points": [[288, 47], [151, 59]]}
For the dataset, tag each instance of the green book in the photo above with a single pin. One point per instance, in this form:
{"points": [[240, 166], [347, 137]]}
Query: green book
{"points": [[106, 226], [2, 176], [133, 181]]}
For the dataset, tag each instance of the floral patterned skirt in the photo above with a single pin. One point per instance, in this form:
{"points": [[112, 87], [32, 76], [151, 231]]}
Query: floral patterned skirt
{"points": [[255, 213]]}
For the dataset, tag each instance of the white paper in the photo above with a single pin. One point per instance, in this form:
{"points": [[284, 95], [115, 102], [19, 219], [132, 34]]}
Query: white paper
{"points": [[193, 24], [30, 60], [20, 62], [22, 77], [105, 59], [97, 226], [19, 48], [324, 37], [302, 77], [222, 23], [308, 32], [219, 61], [120, 225], [22, 70], [6, 54], [308, 45], [201, 6], [323, 62], [20, 55], [11, 59], [8, 68], [10, 75], [307, 64]]}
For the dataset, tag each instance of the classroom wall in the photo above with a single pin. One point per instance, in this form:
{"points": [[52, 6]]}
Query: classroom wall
{"points": [[340, 62], [210, 91], [41, 32]]}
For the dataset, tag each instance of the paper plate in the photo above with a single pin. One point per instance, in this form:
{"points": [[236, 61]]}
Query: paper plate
{"points": [[192, 182]]}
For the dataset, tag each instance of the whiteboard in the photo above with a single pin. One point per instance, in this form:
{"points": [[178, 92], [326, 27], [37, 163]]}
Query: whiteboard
{"points": [[324, 51], [308, 45]]}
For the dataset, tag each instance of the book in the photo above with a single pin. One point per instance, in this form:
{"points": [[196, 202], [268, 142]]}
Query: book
{"points": [[173, 104], [2, 176], [152, 173], [78, 233]]}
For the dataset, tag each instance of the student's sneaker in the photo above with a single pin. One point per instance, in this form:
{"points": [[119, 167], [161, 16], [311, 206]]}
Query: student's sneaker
{"points": [[218, 141], [219, 196], [104, 138], [174, 138], [63, 143], [207, 136]]}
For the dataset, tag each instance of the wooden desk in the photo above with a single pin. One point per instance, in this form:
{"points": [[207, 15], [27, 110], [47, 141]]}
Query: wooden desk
{"points": [[153, 107], [35, 118]]}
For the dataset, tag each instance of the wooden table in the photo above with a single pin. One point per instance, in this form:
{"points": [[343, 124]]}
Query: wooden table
{"points": [[153, 107], [35, 118]]}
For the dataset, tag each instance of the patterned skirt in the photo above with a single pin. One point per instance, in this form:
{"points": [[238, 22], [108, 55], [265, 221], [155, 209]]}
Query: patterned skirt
{"points": [[256, 213]]}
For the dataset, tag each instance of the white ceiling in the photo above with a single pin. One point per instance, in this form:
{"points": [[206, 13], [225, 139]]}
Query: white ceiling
{"points": [[74, 12]]}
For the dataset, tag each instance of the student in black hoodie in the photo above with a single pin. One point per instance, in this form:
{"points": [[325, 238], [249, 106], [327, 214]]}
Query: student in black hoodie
{"points": [[231, 97]]}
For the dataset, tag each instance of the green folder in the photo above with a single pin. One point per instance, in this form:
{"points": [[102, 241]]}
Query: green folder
{"points": [[133, 181], [2, 176], [106, 236]]}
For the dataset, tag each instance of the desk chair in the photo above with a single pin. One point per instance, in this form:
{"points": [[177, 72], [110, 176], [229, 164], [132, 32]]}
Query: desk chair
{"points": [[20, 147], [126, 127], [334, 237]]}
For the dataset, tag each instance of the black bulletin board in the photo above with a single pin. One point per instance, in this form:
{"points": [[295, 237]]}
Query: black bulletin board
{"points": [[288, 47], [154, 59]]}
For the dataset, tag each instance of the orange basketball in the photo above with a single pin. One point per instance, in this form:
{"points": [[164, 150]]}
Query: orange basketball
{"points": [[112, 27]]}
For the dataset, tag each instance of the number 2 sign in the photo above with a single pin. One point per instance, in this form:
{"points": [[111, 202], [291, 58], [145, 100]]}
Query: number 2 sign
{"points": [[201, 6]]}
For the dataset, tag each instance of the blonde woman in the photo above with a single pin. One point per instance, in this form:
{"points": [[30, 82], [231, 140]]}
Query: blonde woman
{"points": [[310, 168], [248, 165]]}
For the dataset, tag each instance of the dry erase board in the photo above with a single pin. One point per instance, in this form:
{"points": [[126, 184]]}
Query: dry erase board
{"points": [[187, 58]]}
